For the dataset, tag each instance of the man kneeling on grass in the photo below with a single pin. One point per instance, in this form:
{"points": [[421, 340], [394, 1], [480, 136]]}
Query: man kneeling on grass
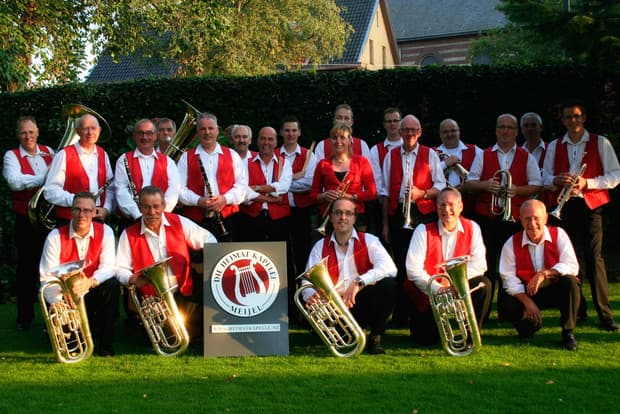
{"points": [[538, 267]]}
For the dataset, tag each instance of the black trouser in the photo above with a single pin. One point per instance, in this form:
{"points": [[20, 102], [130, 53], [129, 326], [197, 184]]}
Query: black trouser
{"points": [[563, 294], [224, 230], [102, 308], [374, 304], [300, 244]]}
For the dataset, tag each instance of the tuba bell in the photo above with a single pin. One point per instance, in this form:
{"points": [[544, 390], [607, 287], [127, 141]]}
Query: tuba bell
{"points": [[159, 314], [39, 209], [184, 136], [67, 320], [329, 317], [454, 311]]}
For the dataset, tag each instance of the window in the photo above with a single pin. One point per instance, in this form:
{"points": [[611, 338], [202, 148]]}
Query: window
{"points": [[429, 60]]}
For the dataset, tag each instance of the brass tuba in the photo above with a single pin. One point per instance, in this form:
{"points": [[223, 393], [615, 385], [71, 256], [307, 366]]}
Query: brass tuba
{"points": [[184, 137], [39, 209], [67, 320], [500, 202], [454, 311], [330, 317], [159, 314]]}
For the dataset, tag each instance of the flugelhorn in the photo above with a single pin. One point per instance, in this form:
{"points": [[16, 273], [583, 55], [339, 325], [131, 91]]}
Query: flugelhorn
{"points": [[565, 193], [341, 190], [453, 309], [67, 320], [329, 317], [500, 201], [183, 137], [159, 314]]}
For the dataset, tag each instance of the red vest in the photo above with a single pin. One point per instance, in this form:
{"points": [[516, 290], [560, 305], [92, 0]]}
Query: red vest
{"points": [[518, 172], [257, 177], [225, 181], [435, 256], [356, 147], [593, 198], [20, 199], [524, 266], [69, 251], [76, 179], [176, 247], [160, 171], [360, 256], [301, 199], [382, 151], [421, 179]]}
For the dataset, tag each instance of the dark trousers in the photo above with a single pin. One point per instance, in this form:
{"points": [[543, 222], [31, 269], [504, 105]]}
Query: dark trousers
{"points": [[423, 327], [29, 241], [374, 304], [224, 230], [102, 308], [299, 240], [563, 294], [585, 229]]}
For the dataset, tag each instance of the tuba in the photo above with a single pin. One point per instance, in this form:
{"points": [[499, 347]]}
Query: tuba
{"points": [[184, 137], [159, 314], [500, 202], [39, 209], [329, 317], [454, 311], [565, 193], [67, 321]]}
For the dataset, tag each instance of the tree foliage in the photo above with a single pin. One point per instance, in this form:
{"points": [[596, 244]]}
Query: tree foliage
{"points": [[46, 42]]}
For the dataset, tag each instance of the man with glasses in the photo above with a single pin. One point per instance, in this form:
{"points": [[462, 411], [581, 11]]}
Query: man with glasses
{"points": [[83, 239], [581, 214], [360, 268]]}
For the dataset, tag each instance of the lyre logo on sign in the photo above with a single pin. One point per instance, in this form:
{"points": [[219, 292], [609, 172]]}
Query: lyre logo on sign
{"points": [[245, 283]]}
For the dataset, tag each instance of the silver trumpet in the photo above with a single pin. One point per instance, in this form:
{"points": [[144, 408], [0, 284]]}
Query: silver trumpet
{"points": [[159, 314], [67, 320], [329, 317], [565, 193], [500, 202], [454, 310], [407, 203], [342, 190]]}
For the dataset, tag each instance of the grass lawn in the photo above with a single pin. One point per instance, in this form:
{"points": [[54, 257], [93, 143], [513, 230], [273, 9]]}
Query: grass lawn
{"points": [[504, 377]]}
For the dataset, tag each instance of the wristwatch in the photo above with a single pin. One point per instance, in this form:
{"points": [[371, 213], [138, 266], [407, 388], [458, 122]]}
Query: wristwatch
{"points": [[359, 282]]}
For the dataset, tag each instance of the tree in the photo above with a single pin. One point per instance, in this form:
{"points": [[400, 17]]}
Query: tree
{"points": [[46, 42]]}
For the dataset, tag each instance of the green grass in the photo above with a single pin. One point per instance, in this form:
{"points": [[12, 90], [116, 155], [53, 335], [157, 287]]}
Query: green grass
{"points": [[504, 377]]}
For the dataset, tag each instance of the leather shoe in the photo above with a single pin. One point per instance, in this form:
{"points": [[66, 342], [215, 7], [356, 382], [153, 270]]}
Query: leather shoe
{"points": [[374, 345], [569, 341], [611, 325]]}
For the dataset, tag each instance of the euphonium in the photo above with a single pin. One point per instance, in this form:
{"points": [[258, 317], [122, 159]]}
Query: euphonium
{"points": [[565, 193], [329, 317], [159, 314], [184, 137], [67, 320], [454, 311], [39, 209], [500, 202]]}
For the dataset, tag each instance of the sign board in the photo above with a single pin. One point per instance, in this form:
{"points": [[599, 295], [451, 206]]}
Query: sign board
{"points": [[245, 299]]}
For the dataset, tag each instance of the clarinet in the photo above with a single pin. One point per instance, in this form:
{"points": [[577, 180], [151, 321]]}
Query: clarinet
{"points": [[132, 186], [209, 193]]}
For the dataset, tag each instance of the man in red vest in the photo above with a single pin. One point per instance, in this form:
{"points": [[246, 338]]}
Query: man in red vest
{"points": [[141, 167], [159, 235], [434, 243], [241, 137], [83, 239], [360, 268], [531, 128], [538, 268], [84, 166], [581, 214], [166, 129], [213, 181], [344, 114], [24, 170]]}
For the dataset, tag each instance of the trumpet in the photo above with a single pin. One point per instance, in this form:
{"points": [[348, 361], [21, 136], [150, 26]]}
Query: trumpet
{"points": [[329, 317], [159, 314], [500, 201], [453, 309], [565, 193], [407, 203], [342, 190], [67, 320]]}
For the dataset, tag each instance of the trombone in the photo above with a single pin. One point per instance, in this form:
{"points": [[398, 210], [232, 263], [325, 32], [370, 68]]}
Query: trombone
{"points": [[500, 201]]}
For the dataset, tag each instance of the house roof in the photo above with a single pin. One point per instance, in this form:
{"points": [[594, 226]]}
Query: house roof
{"points": [[129, 68], [423, 19]]}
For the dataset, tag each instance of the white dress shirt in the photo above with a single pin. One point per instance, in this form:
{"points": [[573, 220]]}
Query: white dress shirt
{"points": [[12, 169], [453, 179], [51, 257], [124, 196], [505, 162], [416, 255], [303, 184], [281, 184], [375, 163], [566, 266], [538, 151]]}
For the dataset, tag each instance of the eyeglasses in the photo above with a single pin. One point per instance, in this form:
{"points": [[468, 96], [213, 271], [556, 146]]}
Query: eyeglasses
{"points": [[506, 127], [144, 133], [85, 211], [347, 213], [412, 130]]}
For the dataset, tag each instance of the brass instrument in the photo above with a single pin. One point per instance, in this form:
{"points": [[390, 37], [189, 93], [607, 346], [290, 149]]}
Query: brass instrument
{"points": [[209, 194], [342, 190], [130, 183], [457, 167], [565, 193], [454, 311], [39, 209], [407, 203], [500, 201], [183, 138], [329, 317], [159, 314], [67, 320]]}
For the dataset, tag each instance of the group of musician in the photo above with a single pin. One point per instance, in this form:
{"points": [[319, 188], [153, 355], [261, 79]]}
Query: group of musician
{"points": [[390, 216]]}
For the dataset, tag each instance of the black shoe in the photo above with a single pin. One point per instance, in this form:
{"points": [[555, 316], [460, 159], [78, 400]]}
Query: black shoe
{"points": [[374, 345], [569, 341], [610, 325], [526, 330], [106, 352]]}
